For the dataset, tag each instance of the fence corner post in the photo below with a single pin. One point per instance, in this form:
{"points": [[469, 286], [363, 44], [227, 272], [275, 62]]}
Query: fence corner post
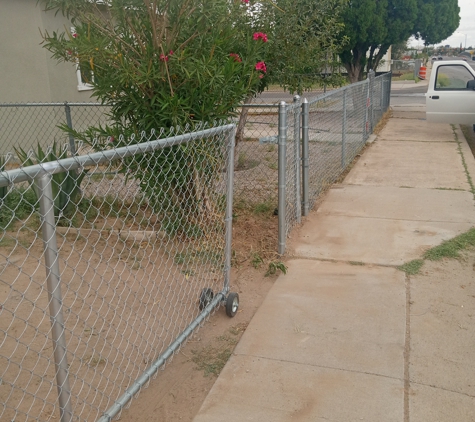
{"points": [[305, 158], [343, 132], [229, 208], [371, 75], [297, 159], [282, 160]]}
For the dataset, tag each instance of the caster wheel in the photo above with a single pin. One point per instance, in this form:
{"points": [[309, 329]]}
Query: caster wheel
{"points": [[232, 304], [206, 297]]}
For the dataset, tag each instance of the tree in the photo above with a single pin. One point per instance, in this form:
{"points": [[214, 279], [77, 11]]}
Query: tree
{"points": [[372, 26], [398, 50], [164, 64], [437, 20], [304, 43]]}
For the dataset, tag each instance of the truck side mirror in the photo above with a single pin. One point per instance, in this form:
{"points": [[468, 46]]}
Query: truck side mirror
{"points": [[471, 84]]}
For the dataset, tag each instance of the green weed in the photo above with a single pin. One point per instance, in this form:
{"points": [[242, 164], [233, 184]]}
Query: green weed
{"points": [[263, 208], [356, 263], [412, 267], [256, 260], [274, 267], [16, 205], [451, 248]]}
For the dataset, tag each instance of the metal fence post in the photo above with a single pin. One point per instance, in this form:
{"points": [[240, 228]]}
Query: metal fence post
{"points": [[371, 75], [55, 300], [305, 154], [282, 176], [365, 117], [343, 132], [229, 210], [298, 196], [69, 122], [390, 76]]}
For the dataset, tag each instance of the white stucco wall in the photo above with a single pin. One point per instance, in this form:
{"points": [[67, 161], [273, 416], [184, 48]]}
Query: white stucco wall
{"points": [[27, 71]]}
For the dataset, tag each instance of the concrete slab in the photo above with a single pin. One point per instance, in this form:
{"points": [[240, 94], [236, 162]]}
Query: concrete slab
{"points": [[399, 203], [416, 130], [372, 240], [409, 107], [334, 315], [419, 115], [259, 389], [429, 404], [442, 330], [393, 163]]}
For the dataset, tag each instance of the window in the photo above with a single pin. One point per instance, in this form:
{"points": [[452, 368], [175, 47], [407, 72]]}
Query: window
{"points": [[452, 77], [84, 72]]}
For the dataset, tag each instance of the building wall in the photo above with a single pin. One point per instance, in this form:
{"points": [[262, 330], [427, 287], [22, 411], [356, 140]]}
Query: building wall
{"points": [[27, 71]]}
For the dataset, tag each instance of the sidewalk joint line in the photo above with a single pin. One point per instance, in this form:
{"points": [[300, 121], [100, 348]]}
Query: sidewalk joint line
{"points": [[380, 138], [398, 219], [320, 366], [407, 349], [343, 261], [443, 389]]}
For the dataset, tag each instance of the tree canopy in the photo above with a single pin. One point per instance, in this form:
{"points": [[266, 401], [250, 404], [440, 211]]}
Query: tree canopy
{"points": [[437, 20], [372, 26], [163, 63]]}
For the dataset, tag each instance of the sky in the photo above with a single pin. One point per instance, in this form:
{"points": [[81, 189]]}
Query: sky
{"points": [[466, 27]]}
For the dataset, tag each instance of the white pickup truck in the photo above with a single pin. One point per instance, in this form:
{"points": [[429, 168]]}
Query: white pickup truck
{"points": [[450, 97]]}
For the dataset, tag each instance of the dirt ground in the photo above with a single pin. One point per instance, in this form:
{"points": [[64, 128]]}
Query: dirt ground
{"points": [[176, 394]]}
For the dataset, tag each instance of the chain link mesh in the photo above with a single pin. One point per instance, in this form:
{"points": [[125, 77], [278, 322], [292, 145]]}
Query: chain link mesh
{"points": [[138, 239], [339, 125], [256, 157], [28, 125]]}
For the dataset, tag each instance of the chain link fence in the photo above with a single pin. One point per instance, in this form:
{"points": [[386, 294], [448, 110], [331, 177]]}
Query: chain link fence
{"points": [[103, 278], [338, 121], [109, 260], [335, 127]]}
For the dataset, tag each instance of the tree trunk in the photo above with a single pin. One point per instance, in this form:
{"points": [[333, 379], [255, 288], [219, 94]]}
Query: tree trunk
{"points": [[242, 120], [355, 72]]}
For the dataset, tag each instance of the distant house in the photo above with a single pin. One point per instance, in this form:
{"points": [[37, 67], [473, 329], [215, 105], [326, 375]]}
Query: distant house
{"points": [[28, 73]]}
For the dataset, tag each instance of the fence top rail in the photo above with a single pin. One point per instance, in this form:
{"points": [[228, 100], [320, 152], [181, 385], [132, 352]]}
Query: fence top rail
{"points": [[260, 105], [31, 172], [336, 91], [65, 103]]}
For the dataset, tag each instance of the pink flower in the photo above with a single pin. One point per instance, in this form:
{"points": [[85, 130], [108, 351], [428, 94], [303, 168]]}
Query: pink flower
{"points": [[111, 139], [171, 53], [163, 58], [236, 57], [261, 66], [261, 75], [245, 1], [75, 35], [260, 35]]}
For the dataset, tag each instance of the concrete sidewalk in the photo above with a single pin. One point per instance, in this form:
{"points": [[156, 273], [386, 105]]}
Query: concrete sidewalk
{"points": [[334, 339]]}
